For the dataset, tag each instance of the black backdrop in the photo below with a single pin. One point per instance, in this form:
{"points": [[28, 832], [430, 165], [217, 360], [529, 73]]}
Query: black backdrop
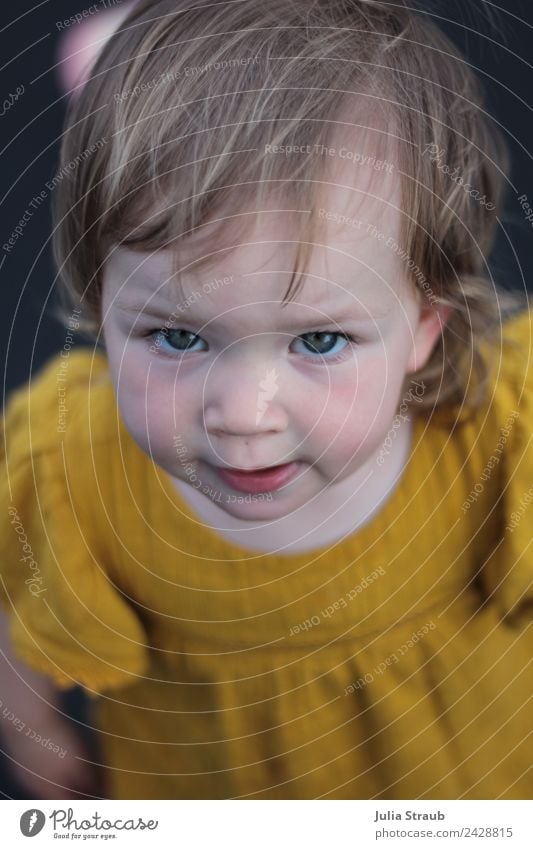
{"points": [[497, 38]]}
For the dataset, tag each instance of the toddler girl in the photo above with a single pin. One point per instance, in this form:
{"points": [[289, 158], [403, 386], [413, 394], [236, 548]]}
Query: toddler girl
{"points": [[276, 524]]}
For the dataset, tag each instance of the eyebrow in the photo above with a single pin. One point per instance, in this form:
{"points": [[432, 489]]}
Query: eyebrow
{"points": [[147, 307], [136, 307]]}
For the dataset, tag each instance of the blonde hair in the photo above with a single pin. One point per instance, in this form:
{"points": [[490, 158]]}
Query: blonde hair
{"points": [[169, 133]]}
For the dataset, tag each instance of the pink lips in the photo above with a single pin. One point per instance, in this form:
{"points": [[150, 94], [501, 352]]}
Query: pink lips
{"points": [[260, 480]]}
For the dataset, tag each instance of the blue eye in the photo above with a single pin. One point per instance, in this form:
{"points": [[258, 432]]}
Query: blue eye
{"points": [[318, 345], [176, 341], [323, 343]]}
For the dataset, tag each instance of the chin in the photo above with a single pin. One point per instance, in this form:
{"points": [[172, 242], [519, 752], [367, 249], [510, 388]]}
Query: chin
{"points": [[241, 507], [257, 507], [251, 506]]}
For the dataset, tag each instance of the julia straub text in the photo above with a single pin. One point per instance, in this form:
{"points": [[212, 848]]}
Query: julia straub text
{"points": [[408, 815]]}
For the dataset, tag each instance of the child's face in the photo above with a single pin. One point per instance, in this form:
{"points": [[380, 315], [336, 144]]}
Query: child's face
{"points": [[256, 389]]}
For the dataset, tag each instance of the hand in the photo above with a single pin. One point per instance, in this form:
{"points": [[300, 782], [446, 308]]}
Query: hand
{"points": [[47, 773]]}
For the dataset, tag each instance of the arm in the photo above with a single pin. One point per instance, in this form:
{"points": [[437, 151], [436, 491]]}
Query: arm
{"points": [[27, 694], [30, 705]]}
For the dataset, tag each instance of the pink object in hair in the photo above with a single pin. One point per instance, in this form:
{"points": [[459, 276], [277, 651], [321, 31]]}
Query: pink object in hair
{"points": [[80, 44]]}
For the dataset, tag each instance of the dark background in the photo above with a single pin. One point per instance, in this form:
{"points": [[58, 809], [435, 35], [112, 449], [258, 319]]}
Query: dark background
{"points": [[498, 43], [497, 39]]}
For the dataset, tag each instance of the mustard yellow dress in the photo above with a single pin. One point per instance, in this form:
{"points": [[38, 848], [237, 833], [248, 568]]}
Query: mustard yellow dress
{"points": [[394, 664]]}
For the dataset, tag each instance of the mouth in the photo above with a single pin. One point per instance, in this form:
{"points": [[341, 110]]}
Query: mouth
{"points": [[260, 479]]}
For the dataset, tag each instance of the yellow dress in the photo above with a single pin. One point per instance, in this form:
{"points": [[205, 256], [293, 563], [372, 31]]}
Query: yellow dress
{"points": [[394, 664]]}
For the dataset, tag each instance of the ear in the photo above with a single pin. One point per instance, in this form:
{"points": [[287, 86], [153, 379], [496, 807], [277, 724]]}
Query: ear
{"points": [[431, 323]]}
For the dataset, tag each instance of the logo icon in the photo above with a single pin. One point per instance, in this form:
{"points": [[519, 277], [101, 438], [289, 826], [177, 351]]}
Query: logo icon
{"points": [[269, 388], [32, 822]]}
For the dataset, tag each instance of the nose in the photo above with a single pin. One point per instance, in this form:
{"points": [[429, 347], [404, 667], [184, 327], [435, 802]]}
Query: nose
{"points": [[244, 397]]}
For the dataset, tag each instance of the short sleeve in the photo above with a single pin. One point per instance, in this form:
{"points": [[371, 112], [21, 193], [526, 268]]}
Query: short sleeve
{"points": [[508, 574], [67, 619]]}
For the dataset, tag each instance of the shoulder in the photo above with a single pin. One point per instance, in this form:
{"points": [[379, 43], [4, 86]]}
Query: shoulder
{"points": [[508, 572], [71, 622], [53, 428], [516, 371], [509, 403], [65, 448], [508, 393], [52, 407]]}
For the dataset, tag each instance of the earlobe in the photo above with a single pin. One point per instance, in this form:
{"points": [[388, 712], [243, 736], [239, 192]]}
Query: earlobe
{"points": [[431, 323]]}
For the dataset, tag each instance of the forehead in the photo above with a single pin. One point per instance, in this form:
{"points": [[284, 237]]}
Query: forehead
{"points": [[349, 232], [260, 270]]}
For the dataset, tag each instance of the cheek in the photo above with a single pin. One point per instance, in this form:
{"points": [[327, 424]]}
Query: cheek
{"points": [[361, 407], [147, 402], [153, 405], [164, 409]]}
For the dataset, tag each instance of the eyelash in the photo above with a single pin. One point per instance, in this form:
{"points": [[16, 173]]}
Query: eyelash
{"points": [[151, 335]]}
